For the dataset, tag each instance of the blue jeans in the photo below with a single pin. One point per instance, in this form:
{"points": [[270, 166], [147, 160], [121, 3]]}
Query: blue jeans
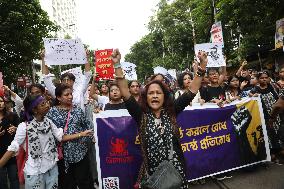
{"points": [[9, 171], [48, 180]]}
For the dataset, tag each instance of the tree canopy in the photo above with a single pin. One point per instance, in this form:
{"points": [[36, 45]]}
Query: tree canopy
{"points": [[23, 24], [247, 25]]}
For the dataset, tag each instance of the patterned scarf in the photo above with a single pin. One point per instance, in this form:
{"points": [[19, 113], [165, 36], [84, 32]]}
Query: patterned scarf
{"points": [[34, 128]]}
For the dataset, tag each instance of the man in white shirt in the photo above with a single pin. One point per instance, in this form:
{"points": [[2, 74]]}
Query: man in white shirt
{"points": [[68, 79]]}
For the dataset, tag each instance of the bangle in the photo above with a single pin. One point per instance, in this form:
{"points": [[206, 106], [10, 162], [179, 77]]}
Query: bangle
{"points": [[119, 76], [117, 65], [201, 70], [79, 135], [199, 73]]}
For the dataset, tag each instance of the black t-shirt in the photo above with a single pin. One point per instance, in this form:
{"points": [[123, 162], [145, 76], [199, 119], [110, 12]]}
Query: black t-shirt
{"points": [[209, 93], [109, 106], [6, 139]]}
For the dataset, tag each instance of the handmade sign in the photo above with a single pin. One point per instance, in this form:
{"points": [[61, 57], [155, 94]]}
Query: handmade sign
{"points": [[129, 70], [279, 34], [104, 65], [215, 55], [160, 70], [217, 34], [173, 73], [64, 51]]}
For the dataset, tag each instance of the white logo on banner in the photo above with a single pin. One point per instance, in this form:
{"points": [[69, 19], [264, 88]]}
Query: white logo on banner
{"points": [[64, 51], [215, 55], [111, 183]]}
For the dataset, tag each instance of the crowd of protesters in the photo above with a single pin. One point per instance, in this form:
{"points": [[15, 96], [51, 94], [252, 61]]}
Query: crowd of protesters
{"points": [[53, 123]]}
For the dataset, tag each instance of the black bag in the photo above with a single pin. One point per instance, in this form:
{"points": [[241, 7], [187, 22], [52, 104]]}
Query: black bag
{"points": [[165, 177]]}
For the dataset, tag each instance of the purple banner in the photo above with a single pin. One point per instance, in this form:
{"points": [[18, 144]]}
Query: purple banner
{"points": [[209, 144], [120, 157], [213, 140]]}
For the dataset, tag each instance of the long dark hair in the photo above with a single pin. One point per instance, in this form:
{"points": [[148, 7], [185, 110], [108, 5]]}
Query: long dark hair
{"points": [[168, 104], [180, 78], [59, 91], [37, 85], [5, 112]]}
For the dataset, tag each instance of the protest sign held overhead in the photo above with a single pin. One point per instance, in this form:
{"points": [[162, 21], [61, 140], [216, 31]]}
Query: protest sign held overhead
{"points": [[217, 34], [160, 70], [64, 51], [215, 55], [104, 65], [129, 70], [279, 34]]}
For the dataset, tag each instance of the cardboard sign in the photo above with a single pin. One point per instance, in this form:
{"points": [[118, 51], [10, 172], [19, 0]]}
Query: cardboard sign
{"points": [[215, 55], [104, 65], [64, 51], [217, 33], [279, 34], [129, 70]]}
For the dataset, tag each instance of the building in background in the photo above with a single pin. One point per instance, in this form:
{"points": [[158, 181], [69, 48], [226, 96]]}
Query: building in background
{"points": [[64, 14]]}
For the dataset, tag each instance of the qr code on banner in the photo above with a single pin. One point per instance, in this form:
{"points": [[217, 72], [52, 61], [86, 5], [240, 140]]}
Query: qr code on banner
{"points": [[111, 183]]}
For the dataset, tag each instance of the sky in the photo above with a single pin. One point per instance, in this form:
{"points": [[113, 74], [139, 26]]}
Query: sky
{"points": [[119, 24]]}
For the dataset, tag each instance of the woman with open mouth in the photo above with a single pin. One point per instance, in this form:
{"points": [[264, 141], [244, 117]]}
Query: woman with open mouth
{"points": [[156, 119]]}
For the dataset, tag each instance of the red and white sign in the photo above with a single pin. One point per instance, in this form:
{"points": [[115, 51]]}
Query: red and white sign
{"points": [[217, 34], [104, 65]]}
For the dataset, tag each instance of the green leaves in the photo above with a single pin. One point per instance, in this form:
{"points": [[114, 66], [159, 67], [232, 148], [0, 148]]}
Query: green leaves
{"points": [[23, 24], [246, 24]]}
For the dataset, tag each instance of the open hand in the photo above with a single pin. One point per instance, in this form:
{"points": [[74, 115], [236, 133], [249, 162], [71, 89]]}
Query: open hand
{"points": [[244, 63]]}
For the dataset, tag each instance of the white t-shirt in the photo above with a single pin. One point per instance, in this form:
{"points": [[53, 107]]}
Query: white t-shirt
{"points": [[39, 165]]}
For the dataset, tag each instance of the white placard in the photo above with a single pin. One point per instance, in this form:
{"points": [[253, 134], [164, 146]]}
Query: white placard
{"points": [[215, 55], [160, 70], [129, 70], [64, 51], [173, 73]]}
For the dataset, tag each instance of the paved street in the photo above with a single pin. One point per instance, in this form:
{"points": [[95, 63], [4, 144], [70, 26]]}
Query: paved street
{"points": [[269, 176]]}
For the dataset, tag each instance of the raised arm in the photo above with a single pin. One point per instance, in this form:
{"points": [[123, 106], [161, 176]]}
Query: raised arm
{"points": [[119, 76], [46, 77], [45, 69], [92, 90], [87, 65], [196, 82], [244, 63]]}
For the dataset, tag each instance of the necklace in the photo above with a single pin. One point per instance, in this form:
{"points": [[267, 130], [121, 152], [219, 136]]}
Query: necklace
{"points": [[158, 124]]}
